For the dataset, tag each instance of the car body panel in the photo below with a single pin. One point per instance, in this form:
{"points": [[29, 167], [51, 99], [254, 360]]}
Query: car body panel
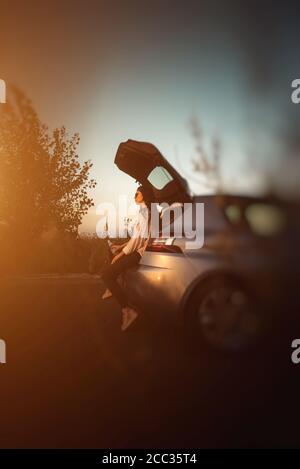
{"points": [[164, 281]]}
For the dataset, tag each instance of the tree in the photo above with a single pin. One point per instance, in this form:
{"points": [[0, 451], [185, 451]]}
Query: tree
{"points": [[41, 178], [206, 164]]}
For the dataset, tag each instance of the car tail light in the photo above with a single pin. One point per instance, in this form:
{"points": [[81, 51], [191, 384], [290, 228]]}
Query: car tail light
{"points": [[164, 245]]}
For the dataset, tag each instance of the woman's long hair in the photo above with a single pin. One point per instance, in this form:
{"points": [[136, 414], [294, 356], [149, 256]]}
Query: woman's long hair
{"points": [[148, 199]]}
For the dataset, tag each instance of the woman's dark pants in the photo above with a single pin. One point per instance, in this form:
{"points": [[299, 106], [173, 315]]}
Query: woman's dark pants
{"points": [[110, 274]]}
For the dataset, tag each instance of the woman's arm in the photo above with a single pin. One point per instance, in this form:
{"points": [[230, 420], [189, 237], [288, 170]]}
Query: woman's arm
{"points": [[118, 247], [133, 245], [140, 234], [117, 256]]}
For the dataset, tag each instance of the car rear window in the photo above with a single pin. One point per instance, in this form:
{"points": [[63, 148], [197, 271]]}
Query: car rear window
{"points": [[159, 177]]}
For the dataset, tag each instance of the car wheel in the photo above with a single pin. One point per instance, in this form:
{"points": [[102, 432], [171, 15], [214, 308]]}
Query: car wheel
{"points": [[224, 315]]}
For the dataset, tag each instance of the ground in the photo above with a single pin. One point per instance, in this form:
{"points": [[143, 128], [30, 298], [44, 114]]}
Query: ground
{"points": [[74, 380]]}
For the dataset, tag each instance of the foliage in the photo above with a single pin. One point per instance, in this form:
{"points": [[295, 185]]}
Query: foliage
{"points": [[42, 182]]}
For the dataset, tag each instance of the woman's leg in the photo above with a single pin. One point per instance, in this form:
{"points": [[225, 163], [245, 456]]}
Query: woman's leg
{"points": [[110, 274]]}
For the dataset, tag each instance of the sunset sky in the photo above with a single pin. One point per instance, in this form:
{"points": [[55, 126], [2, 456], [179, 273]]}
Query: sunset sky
{"points": [[140, 71]]}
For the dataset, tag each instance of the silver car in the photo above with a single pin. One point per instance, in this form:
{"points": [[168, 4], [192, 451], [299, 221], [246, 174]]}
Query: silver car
{"points": [[230, 292]]}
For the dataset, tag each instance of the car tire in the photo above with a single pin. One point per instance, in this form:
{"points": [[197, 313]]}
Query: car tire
{"points": [[223, 315]]}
